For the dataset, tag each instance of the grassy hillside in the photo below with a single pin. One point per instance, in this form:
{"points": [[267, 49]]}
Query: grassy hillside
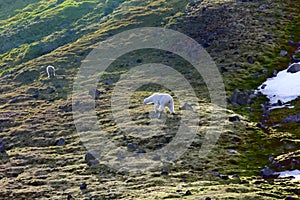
{"points": [[45, 157]]}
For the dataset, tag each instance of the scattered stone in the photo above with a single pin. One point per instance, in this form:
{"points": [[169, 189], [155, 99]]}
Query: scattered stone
{"points": [[207, 198], [235, 66], [268, 37], [239, 98], [268, 173], [223, 69], [261, 125], [132, 147], [95, 93], [232, 151], [235, 176], [83, 186], [283, 53], [60, 142], [263, 7], [250, 109], [275, 72], [223, 176], [250, 60], [164, 173], [256, 75], [69, 197], [93, 163], [296, 56], [294, 68], [234, 118], [91, 155], [263, 107], [292, 118], [2, 147], [186, 106], [188, 192], [291, 43], [140, 151], [259, 182], [264, 71], [271, 23]]}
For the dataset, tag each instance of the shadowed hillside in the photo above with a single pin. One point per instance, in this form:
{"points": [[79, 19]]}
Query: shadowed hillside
{"points": [[43, 156]]}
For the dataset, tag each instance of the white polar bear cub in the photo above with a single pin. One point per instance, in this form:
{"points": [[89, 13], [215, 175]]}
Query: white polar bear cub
{"points": [[160, 102]]}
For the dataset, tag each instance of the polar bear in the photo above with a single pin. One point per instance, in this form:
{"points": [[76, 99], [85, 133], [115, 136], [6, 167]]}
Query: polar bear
{"points": [[50, 71], [160, 102]]}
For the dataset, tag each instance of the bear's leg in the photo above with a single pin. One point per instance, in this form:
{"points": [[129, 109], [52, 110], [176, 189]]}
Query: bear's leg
{"points": [[156, 107], [171, 107], [160, 110]]}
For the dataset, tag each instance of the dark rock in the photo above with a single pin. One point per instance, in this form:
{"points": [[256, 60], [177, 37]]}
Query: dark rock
{"points": [[66, 108], [250, 59], [263, 86], [294, 68], [35, 96], [259, 182], [263, 7], [271, 23], [261, 125], [263, 107], [83, 186], [291, 42], [50, 90], [2, 147], [95, 93], [235, 176], [207, 198], [275, 72], [164, 173], [192, 4], [69, 197], [264, 71], [296, 57], [292, 118], [268, 37], [109, 82], [268, 173], [223, 176], [234, 118], [141, 151], [132, 147], [223, 69], [244, 182], [250, 109], [186, 106], [239, 98], [91, 155], [188, 192], [60, 142], [235, 66], [256, 75], [93, 163], [283, 53]]}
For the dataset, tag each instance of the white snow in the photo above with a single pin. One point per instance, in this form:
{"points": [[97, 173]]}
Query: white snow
{"points": [[294, 173], [284, 87]]}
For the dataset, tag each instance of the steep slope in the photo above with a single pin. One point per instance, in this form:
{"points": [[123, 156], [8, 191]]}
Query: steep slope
{"points": [[45, 157]]}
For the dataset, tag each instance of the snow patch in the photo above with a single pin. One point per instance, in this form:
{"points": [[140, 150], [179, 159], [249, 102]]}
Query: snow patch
{"points": [[285, 87], [294, 173]]}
